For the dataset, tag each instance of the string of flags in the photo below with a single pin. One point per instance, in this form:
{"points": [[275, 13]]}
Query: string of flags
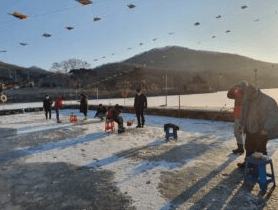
{"points": [[17, 14]]}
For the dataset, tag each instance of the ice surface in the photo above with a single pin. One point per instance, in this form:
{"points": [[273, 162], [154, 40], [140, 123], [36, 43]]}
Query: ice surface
{"points": [[202, 101], [138, 157]]}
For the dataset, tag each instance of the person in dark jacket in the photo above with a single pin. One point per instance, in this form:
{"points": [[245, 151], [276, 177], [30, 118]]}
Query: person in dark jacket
{"points": [[84, 105], [47, 103], [101, 112], [58, 105], [259, 120], [236, 93], [140, 103], [117, 117]]}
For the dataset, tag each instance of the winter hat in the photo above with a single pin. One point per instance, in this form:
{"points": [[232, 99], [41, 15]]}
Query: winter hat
{"points": [[241, 85], [138, 90]]}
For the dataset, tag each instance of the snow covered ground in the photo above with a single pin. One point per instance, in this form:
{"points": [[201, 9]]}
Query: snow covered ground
{"points": [[140, 159], [197, 171]]}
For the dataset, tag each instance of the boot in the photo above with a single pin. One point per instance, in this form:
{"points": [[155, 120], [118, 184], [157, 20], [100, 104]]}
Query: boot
{"points": [[241, 165], [121, 129], [239, 149]]}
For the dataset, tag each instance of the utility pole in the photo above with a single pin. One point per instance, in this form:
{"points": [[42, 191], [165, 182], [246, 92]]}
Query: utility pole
{"points": [[124, 92], [255, 77], [179, 96], [218, 84], [166, 89], [97, 92]]}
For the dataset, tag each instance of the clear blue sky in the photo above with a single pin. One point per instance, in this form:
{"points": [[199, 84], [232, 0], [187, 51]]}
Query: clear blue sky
{"points": [[122, 28]]}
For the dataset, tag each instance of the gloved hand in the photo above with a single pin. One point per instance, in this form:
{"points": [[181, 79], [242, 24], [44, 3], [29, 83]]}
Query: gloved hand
{"points": [[264, 132]]}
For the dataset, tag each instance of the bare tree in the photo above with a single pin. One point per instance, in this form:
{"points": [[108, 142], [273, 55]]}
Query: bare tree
{"points": [[66, 66]]}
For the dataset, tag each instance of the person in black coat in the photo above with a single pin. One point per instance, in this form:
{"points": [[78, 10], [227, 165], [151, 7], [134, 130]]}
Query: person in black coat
{"points": [[101, 112], [140, 103], [117, 117], [47, 103], [84, 105]]}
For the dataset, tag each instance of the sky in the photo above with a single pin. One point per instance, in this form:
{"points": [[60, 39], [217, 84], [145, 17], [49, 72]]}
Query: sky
{"points": [[117, 36]]}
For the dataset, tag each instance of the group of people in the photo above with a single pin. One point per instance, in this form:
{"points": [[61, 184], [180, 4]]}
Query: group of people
{"points": [[47, 106], [111, 113], [255, 113], [256, 116], [114, 113]]}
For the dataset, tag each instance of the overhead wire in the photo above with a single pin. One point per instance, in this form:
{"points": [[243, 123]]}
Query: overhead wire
{"points": [[65, 9], [103, 2], [141, 43], [33, 17]]}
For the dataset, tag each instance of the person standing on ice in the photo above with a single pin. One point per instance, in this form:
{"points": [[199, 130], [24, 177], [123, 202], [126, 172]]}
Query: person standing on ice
{"points": [[47, 103], [236, 93], [84, 105], [140, 103], [58, 105], [258, 120]]}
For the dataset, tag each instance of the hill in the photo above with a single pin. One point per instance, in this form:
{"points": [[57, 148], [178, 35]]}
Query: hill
{"points": [[211, 66], [188, 71], [15, 74], [181, 70]]}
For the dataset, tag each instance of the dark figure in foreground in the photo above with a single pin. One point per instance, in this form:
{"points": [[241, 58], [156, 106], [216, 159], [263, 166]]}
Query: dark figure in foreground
{"points": [[140, 103], [259, 120], [58, 105], [47, 103], [115, 114], [101, 112], [236, 93], [84, 105]]}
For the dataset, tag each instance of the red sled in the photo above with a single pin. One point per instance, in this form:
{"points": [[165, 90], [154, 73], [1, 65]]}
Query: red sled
{"points": [[129, 123], [73, 118]]}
